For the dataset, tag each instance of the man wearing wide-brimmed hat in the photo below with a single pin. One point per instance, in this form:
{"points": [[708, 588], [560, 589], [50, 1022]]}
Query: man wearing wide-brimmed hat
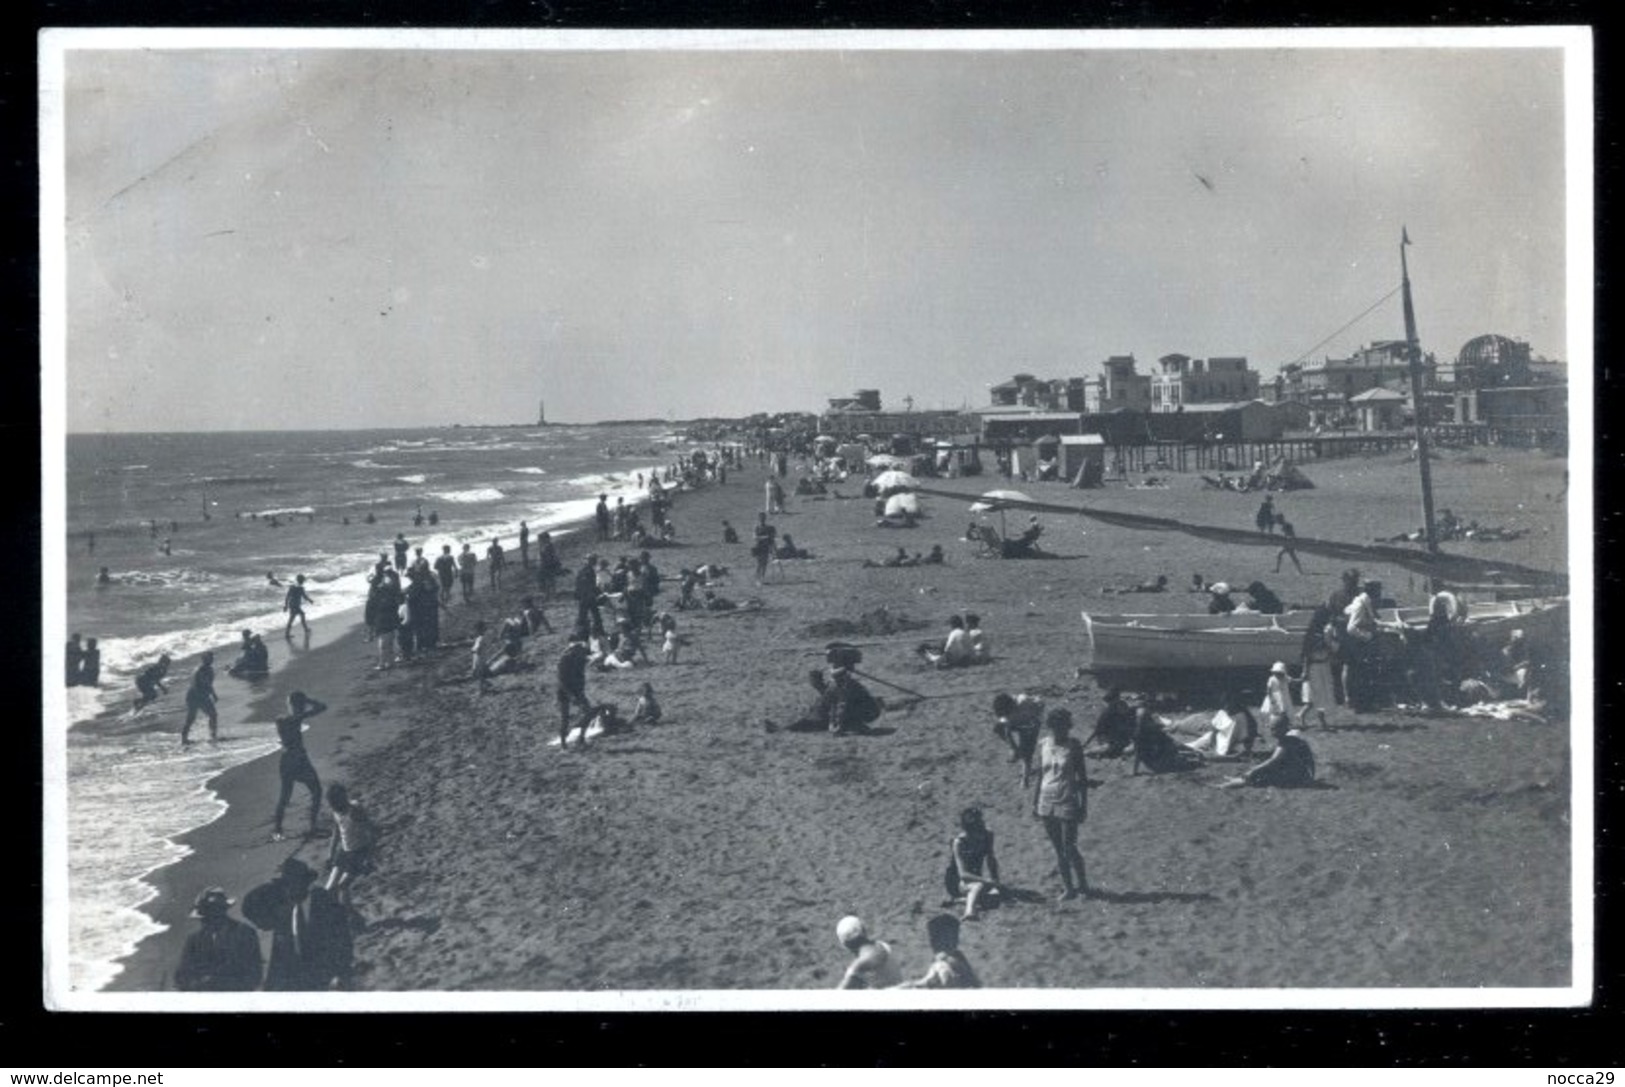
{"points": [[223, 955]]}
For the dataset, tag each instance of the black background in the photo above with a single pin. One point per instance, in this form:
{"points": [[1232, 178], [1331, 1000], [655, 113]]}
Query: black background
{"points": [[1555, 1040]]}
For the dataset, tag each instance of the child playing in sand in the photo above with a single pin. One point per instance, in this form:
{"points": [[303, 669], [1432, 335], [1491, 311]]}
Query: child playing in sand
{"points": [[973, 870], [949, 969]]}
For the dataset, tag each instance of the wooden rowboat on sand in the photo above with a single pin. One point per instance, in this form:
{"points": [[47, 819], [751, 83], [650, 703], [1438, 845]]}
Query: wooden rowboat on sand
{"points": [[1157, 652]]}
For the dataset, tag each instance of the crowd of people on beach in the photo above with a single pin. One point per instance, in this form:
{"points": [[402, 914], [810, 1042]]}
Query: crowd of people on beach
{"points": [[311, 918], [618, 618]]}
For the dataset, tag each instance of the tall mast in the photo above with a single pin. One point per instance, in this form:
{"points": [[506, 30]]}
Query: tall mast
{"points": [[1414, 351]]}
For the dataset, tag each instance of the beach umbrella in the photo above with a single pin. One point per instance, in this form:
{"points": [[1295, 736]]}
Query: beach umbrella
{"points": [[887, 460], [892, 481], [998, 500], [901, 503]]}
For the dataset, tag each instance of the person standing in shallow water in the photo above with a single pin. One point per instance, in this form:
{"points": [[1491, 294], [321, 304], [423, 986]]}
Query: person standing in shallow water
{"points": [[524, 545], [601, 516], [295, 767], [200, 699], [75, 660], [1061, 799]]}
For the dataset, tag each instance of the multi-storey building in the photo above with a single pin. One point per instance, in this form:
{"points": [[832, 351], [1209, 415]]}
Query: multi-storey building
{"points": [[1182, 380]]}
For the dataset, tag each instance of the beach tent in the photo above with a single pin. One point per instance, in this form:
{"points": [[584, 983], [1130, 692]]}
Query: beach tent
{"points": [[1083, 459], [903, 502]]}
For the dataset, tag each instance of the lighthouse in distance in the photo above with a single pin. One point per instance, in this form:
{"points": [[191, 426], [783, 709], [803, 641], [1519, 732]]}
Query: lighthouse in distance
{"points": [[541, 413]]}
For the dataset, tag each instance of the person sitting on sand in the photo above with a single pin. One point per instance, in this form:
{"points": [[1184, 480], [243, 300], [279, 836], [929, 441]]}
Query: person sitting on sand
{"points": [[955, 651], [1290, 766], [572, 685], [854, 708], [821, 713], [973, 869], [1160, 585], [1156, 750], [1261, 600], [892, 561], [729, 534], [150, 681], [1231, 729], [647, 710], [1114, 728], [949, 968], [981, 650], [1198, 584], [935, 558], [1220, 604], [788, 550], [872, 966]]}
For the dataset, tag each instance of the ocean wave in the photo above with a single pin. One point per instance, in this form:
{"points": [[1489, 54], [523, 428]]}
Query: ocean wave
{"points": [[415, 478], [528, 471], [288, 511], [476, 494], [128, 798], [134, 467]]}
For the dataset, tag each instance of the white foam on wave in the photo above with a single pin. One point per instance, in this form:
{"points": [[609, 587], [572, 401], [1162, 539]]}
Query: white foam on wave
{"points": [[474, 494], [288, 511], [414, 478], [135, 467], [125, 800], [528, 471]]}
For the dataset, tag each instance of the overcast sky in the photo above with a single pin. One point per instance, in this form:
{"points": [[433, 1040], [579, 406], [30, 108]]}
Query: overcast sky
{"points": [[310, 239]]}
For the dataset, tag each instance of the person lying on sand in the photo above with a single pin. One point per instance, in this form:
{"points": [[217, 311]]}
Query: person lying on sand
{"points": [[973, 869], [873, 966], [892, 561], [1160, 585], [949, 969], [1290, 766], [713, 602]]}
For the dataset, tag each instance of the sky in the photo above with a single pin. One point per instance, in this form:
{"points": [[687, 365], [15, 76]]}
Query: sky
{"points": [[307, 238]]}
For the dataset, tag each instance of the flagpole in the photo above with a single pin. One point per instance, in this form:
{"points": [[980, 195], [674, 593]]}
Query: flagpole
{"points": [[1419, 406]]}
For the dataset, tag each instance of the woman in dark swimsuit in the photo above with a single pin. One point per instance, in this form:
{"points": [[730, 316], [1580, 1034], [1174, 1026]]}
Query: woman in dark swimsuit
{"points": [[296, 766]]}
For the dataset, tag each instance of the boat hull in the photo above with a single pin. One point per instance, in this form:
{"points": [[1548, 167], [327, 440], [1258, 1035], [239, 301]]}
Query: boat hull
{"points": [[1180, 651]]}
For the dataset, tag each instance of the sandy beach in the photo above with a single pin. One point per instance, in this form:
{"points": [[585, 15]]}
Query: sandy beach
{"points": [[709, 852]]}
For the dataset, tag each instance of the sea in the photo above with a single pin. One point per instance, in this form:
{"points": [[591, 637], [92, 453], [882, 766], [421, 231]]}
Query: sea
{"points": [[188, 527]]}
